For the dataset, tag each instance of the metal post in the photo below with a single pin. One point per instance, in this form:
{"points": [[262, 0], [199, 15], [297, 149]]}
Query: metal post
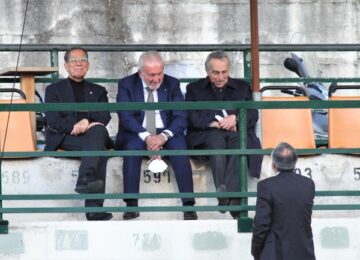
{"points": [[244, 222], [254, 45], [54, 61], [4, 224]]}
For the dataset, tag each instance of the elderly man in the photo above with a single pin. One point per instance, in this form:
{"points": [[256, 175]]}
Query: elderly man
{"points": [[217, 129], [282, 223], [80, 130], [152, 130]]}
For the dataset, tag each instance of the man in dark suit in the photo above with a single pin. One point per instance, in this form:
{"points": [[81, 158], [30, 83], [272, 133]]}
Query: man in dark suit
{"points": [[217, 129], [80, 130], [140, 130], [282, 224]]}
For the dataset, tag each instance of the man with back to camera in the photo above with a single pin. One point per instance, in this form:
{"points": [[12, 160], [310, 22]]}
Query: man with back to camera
{"points": [[282, 223], [217, 129], [165, 131], [80, 130]]}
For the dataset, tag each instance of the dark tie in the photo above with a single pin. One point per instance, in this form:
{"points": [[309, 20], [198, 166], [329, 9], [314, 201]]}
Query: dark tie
{"points": [[150, 114]]}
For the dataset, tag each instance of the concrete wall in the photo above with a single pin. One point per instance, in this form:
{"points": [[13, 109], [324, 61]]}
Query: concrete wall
{"points": [[187, 22]]}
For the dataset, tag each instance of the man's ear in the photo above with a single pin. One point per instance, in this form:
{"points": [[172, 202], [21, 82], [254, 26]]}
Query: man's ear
{"points": [[66, 66]]}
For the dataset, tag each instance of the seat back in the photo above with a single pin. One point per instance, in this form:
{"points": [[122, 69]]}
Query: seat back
{"points": [[19, 135], [293, 126], [344, 125]]}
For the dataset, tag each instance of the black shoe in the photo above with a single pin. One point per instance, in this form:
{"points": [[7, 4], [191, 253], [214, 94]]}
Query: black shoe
{"points": [[130, 215], [190, 215], [98, 216], [234, 202], [222, 201], [89, 187]]}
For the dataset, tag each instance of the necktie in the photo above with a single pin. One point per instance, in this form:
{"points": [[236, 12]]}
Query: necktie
{"points": [[150, 114]]}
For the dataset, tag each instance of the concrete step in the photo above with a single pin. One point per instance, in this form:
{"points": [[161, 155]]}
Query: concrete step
{"points": [[161, 240], [59, 175]]}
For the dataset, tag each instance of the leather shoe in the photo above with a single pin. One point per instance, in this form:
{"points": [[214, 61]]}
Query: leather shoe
{"points": [[222, 201], [190, 215], [98, 216], [234, 202], [130, 215], [89, 187]]}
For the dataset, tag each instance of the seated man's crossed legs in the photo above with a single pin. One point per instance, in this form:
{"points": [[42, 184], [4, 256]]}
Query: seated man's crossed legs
{"points": [[224, 167], [92, 170]]}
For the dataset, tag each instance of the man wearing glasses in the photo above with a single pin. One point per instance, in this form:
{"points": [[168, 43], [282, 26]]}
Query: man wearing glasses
{"points": [[80, 130]]}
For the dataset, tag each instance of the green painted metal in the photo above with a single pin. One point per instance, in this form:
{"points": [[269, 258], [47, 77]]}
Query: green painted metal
{"points": [[244, 222], [4, 224], [54, 63]]}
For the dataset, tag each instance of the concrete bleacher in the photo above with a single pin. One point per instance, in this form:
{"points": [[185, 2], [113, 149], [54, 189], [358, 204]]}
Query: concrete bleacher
{"points": [[162, 235], [58, 176], [334, 238]]}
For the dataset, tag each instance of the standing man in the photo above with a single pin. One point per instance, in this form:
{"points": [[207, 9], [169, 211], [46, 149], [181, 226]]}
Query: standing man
{"points": [[217, 129], [80, 130], [282, 223], [162, 129]]}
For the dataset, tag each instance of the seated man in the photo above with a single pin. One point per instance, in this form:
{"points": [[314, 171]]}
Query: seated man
{"points": [[80, 130], [152, 130], [217, 129]]}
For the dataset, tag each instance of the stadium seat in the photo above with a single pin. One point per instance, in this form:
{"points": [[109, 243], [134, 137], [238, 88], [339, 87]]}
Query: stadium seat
{"points": [[344, 123], [293, 126], [15, 128]]}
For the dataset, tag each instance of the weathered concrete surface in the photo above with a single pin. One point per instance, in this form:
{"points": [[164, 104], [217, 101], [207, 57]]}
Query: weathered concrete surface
{"points": [[161, 240], [188, 22], [58, 176]]}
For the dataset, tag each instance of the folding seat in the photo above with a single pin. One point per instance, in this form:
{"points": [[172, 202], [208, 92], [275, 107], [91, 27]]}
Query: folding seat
{"points": [[293, 126], [344, 123], [15, 126]]}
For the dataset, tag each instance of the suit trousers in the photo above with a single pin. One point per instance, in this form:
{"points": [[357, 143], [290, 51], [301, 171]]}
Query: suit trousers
{"points": [[95, 139], [180, 164], [224, 167]]}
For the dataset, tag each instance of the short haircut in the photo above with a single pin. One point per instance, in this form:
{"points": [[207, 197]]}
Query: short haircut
{"points": [[215, 55], [67, 53], [149, 56], [284, 157]]}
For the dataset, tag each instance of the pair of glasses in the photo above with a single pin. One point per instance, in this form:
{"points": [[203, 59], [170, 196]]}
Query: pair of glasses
{"points": [[78, 59]]}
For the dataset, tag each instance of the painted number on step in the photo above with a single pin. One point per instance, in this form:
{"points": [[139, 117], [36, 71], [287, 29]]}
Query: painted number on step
{"points": [[357, 174], [156, 177], [15, 177], [306, 172], [147, 241]]}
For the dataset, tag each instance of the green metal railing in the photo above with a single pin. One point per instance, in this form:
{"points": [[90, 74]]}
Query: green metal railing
{"points": [[244, 221]]}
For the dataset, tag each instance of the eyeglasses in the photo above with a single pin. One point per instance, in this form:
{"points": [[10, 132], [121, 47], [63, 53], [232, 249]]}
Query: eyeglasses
{"points": [[78, 59]]}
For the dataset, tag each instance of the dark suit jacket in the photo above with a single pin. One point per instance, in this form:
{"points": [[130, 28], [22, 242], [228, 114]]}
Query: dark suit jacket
{"points": [[61, 123], [199, 120], [130, 89], [282, 223]]}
